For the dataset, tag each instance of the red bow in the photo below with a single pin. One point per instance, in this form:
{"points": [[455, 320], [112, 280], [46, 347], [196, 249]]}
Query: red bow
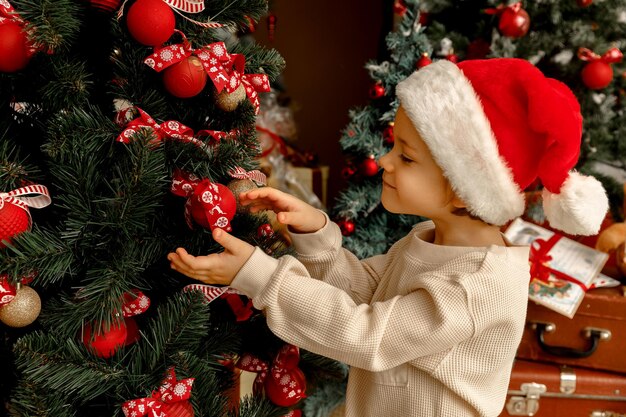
{"points": [[170, 391], [516, 7], [135, 302], [8, 290], [611, 56], [35, 196], [232, 296], [284, 373], [8, 14], [214, 57], [540, 259], [253, 83]]}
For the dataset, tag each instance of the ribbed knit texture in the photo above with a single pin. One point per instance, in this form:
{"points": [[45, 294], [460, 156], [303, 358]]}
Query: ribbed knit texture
{"points": [[428, 330]]}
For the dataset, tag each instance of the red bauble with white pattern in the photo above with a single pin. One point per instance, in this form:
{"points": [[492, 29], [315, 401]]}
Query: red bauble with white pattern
{"points": [[13, 221], [286, 390], [13, 47], [150, 22], [213, 205], [186, 78], [178, 409], [105, 343]]}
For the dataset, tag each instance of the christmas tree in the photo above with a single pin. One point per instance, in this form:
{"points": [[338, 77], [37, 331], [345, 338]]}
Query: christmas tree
{"points": [[576, 42], [128, 130]]}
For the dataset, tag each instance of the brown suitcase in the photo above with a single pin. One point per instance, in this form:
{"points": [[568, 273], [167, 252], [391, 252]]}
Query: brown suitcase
{"points": [[551, 390], [594, 338]]}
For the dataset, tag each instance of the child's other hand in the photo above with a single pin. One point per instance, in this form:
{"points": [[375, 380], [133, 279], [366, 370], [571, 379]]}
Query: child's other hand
{"points": [[217, 268], [291, 211]]}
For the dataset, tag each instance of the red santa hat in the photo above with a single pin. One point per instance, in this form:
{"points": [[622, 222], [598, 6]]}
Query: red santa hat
{"points": [[495, 126]]}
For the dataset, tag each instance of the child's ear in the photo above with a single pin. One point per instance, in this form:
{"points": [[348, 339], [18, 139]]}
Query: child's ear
{"points": [[457, 202]]}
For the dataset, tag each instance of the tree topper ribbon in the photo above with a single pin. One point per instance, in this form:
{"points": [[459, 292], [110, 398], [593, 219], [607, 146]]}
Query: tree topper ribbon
{"points": [[35, 196], [540, 259], [8, 14], [611, 56], [170, 391], [516, 7], [285, 363], [253, 83], [214, 57]]}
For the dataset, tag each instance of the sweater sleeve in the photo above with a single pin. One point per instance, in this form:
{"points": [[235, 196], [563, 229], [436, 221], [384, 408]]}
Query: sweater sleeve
{"points": [[324, 319], [325, 259]]}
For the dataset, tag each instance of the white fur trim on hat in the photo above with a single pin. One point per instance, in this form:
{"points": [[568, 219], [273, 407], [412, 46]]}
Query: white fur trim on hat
{"points": [[580, 206], [445, 110]]}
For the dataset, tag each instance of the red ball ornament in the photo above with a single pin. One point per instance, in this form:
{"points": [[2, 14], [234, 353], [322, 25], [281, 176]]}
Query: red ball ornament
{"points": [[178, 409], [377, 91], [132, 331], [453, 58], [106, 6], [423, 61], [150, 22], [514, 22], [388, 137], [369, 167], [105, 343], [346, 226], [584, 3], [213, 205], [13, 47], [264, 230], [13, 221], [186, 78], [597, 75]]}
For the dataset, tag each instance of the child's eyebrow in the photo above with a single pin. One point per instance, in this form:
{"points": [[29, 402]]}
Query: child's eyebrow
{"points": [[406, 144]]}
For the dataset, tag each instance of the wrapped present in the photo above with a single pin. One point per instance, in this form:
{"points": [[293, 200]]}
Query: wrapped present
{"points": [[562, 270]]}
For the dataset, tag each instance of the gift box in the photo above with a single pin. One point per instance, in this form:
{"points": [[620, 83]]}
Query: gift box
{"points": [[314, 179], [561, 269]]}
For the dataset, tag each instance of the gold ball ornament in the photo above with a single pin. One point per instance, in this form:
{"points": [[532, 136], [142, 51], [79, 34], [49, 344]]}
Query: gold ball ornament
{"points": [[23, 309], [238, 186], [230, 101]]}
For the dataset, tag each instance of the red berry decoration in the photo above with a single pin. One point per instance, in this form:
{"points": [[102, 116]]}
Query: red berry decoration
{"points": [[597, 75], [346, 226], [423, 61], [388, 137], [177, 409], [186, 78], [13, 47], [399, 7], [150, 22], [264, 230], [213, 205], [107, 6], [369, 167], [348, 171], [514, 21], [13, 221], [377, 91], [105, 343]]}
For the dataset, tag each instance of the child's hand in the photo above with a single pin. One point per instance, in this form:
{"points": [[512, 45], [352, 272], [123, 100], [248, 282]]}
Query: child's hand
{"points": [[218, 268], [291, 211]]}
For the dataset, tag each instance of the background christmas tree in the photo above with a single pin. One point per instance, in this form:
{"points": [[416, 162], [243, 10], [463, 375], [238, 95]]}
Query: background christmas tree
{"points": [[141, 126], [576, 42]]}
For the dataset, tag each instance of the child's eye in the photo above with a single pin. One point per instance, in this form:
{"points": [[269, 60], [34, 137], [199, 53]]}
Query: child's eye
{"points": [[406, 159]]}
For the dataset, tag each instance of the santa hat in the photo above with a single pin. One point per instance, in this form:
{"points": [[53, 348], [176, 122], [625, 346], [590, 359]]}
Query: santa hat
{"points": [[494, 127]]}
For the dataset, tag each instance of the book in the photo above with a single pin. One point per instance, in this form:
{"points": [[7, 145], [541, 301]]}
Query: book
{"points": [[564, 269]]}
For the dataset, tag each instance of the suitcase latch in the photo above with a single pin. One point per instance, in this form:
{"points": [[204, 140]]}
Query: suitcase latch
{"points": [[568, 380], [529, 404]]}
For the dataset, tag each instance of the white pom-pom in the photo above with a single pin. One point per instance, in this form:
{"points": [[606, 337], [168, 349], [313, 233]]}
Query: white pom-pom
{"points": [[580, 206]]}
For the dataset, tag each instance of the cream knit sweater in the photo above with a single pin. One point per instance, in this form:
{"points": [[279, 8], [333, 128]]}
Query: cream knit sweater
{"points": [[428, 330]]}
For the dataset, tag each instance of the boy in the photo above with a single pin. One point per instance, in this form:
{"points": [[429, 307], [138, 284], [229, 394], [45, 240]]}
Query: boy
{"points": [[431, 327]]}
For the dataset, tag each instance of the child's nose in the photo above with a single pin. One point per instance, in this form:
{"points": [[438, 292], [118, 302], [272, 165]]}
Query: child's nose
{"points": [[384, 162]]}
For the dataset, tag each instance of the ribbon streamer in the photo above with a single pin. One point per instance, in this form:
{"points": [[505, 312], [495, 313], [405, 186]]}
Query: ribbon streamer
{"points": [[257, 176], [170, 391], [540, 259], [214, 57], [35, 196], [232, 296]]}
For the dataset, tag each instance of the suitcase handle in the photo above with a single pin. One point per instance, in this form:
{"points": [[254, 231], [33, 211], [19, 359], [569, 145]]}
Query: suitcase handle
{"points": [[567, 352]]}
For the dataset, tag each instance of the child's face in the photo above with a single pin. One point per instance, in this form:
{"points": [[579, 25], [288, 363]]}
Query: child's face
{"points": [[413, 183]]}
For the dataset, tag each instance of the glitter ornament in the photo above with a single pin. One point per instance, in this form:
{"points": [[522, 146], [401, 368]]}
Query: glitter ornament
{"points": [[23, 309], [150, 22], [186, 78], [239, 186], [230, 101]]}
